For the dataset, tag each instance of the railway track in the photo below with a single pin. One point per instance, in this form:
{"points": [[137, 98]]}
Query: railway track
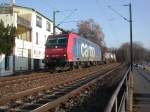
{"points": [[46, 97], [33, 76], [11, 85]]}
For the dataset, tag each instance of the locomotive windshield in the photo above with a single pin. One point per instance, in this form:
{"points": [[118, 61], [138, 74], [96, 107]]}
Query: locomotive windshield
{"points": [[56, 42]]}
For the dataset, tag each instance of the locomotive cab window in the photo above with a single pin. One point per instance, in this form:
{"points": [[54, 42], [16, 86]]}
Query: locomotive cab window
{"points": [[56, 42]]}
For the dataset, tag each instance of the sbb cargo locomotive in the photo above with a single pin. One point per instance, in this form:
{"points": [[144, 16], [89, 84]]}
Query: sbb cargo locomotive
{"points": [[70, 50]]}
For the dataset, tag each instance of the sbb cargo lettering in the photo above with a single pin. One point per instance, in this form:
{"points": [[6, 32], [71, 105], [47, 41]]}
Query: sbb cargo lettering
{"points": [[87, 51]]}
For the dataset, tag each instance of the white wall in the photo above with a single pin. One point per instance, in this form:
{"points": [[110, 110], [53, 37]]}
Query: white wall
{"points": [[22, 47], [42, 34], [38, 50], [21, 54]]}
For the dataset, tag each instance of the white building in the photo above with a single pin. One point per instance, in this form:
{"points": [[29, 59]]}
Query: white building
{"points": [[33, 29]]}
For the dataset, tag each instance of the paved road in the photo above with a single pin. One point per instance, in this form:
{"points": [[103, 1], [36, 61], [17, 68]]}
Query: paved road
{"points": [[141, 90]]}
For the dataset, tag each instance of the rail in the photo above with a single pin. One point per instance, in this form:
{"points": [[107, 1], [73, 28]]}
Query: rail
{"points": [[48, 86], [49, 97], [89, 81], [118, 101]]}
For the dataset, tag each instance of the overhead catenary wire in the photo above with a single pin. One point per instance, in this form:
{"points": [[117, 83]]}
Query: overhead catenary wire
{"points": [[67, 22], [63, 12], [67, 17], [49, 4], [111, 28], [118, 13]]}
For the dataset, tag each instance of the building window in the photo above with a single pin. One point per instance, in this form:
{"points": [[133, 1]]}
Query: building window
{"points": [[37, 38], [39, 21], [48, 26], [23, 33], [6, 62]]}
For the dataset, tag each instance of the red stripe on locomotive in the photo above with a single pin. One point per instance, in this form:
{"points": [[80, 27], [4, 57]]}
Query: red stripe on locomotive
{"points": [[70, 54]]}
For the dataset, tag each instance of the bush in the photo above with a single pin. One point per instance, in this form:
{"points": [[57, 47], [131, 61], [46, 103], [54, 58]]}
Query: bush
{"points": [[7, 38]]}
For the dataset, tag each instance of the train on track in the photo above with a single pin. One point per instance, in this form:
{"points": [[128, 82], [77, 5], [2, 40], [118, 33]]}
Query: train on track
{"points": [[71, 51], [109, 57]]}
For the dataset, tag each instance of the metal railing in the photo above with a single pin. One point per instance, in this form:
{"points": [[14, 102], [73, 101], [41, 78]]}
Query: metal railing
{"points": [[118, 101]]}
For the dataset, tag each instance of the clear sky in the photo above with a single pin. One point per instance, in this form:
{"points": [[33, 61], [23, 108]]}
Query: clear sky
{"points": [[115, 28]]}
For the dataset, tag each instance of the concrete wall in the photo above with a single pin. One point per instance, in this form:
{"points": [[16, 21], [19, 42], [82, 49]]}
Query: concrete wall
{"points": [[3, 71]]}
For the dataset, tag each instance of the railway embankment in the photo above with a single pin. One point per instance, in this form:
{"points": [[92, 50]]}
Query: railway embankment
{"points": [[30, 92]]}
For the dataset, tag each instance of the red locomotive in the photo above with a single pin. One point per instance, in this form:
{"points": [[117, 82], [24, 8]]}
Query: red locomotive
{"points": [[71, 50]]}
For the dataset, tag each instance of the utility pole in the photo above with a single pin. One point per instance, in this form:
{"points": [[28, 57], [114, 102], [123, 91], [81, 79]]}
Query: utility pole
{"points": [[130, 23], [13, 2], [54, 18], [54, 21], [54, 13], [131, 48]]}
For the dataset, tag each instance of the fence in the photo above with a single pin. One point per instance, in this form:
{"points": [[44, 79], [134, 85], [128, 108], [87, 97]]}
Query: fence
{"points": [[121, 100]]}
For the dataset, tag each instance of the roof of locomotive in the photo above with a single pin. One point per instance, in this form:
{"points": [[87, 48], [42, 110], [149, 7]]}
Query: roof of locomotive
{"points": [[62, 35], [73, 35]]}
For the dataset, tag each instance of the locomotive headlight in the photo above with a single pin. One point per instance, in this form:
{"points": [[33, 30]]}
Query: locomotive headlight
{"points": [[65, 55], [47, 55]]}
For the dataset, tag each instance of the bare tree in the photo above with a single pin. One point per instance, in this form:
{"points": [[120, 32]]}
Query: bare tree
{"points": [[123, 53], [139, 53], [91, 30]]}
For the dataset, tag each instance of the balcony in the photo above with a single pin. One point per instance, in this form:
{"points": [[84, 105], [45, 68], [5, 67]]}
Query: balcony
{"points": [[6, 10], [23, 22]]}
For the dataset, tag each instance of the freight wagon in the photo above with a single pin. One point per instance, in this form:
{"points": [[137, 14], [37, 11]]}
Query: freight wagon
{"points": [[71, 50], [109, 57]]}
